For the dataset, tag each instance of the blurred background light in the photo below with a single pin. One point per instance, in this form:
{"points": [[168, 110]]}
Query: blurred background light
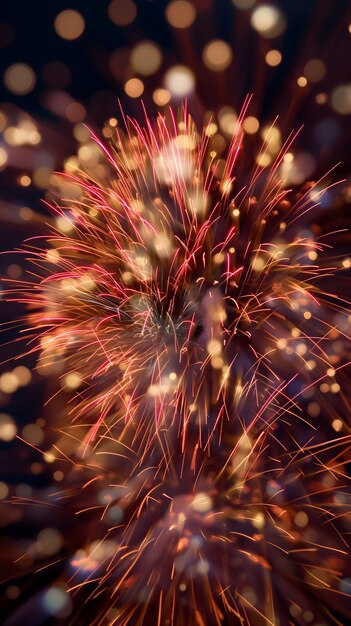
{"points": [[69, 24], [268, 20], [20, 79], [180, 13], [180, 81], [146, 58], [8, 427], [314, 70], [273, 58], [161, 97], [134, 87], [341, 99], [217, 55], [122, 12]]}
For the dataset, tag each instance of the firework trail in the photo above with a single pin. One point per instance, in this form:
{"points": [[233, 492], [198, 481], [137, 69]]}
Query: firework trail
{"points": [[194, 311]]}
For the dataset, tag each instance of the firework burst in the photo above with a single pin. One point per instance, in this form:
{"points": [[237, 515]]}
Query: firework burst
{"points": [[193, 309]]}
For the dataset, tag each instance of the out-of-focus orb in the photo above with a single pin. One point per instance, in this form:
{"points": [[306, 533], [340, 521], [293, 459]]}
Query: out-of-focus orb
{"points": [[217, 55], [69, 24], [271, 135], [180, 13], [3, 157], [337, 425], [122, 12], [243, 4], [80, 133], [341, 99], [50, 540], [227, 119], [296, 171], [23, 375], [8, 427], [24, 133], [75, 112], [26, 214], [42, 177], [202, 503], [146, 58], [73, 380], [268, 21], [14, 271], [87, 154], [302, 81], [57, 602], [33, 434], [301, 519], [134, 88], [3, 121], [8, 381], [314, 70], [327, 131], [251, 125], [25, 180], [273, 58], [3, 491], [19, 79], [161, 97], [179, 80], [321, 98]]}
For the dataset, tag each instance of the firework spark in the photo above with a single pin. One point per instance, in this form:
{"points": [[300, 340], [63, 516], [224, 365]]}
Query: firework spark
{"points": [[193, 309]]}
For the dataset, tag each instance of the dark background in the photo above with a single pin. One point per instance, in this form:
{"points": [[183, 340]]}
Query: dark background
{"points": [[314, 29]]}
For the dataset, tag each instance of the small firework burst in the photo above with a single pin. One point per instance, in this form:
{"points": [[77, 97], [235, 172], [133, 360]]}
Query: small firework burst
{"points": [[193, 312]]}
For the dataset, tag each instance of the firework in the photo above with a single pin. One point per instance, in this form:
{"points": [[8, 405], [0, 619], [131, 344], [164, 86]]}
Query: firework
{"points": [[194, 307]]}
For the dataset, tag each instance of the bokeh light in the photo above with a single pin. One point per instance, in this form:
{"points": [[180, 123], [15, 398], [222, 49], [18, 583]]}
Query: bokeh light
{"points": [[273, 58], [268, 20], [8, 428], [69, 24], [314, 70], [180, 13], [180, 81], [227, 119], [123, 12], [3, 157], [146, 58], [217, 55], [251, 125], [57, 602], [33, 434], [50, 541], [134, 87], [20, 79], [341, 99], [161, 96], [302, 81]]}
